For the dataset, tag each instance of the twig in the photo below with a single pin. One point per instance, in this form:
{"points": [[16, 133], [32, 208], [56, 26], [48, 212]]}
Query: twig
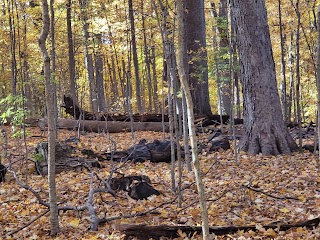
{"points": [[29, 223], [139, 214], [270, 195], [208, 200]]}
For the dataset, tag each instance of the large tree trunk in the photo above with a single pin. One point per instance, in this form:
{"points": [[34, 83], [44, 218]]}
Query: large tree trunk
{"points": [[195, 34], [265, 130], [99, 76]]}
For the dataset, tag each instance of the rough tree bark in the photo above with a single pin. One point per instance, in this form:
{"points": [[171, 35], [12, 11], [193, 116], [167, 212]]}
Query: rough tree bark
{"points": [[50, 103], [264, 128], [195, 35]]}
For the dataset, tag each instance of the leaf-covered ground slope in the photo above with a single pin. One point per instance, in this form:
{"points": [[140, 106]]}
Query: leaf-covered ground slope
{"points": [[256, 190]]}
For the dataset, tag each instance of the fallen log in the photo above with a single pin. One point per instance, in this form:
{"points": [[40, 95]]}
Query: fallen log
{"points": [[77, 112], [156, 151], [144, 231], [64, 160], [103, 126]]}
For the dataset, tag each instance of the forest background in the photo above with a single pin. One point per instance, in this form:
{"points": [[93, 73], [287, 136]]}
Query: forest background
{"points": [[102, 30], [115, 63]]}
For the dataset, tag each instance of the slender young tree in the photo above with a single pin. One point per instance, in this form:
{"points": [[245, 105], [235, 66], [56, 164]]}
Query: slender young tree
{"points": [[224, 84], [298, 77], [50, 103], [72, 65], [283, 66], [13, 44], [88, 55], [193, 138], [264, 128], [318, 82], [135, 57], [146, 58]]}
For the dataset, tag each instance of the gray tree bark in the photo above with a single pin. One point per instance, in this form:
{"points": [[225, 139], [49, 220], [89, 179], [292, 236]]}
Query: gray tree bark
{"points": [[88, 56], [72, 65], [283, 66], [195, 34], [99, 77], [135, 57], [12, 26], [265, 130], [318, 82], [224, 84], [50, 103], [192, 134], [147, 58]]}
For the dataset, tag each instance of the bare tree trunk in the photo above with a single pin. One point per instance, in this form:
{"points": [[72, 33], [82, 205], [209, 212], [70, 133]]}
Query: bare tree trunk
{"points": [[135, 57], [50, 102], [12, 48], [147, 59], [198, 64], [99, 77], [283, 67], [26, 80], [53, 60], [224, 84], [215, 53], [291, 81], [193, 139], [155, 82], [298, 72], [265, 130], [114, 78], [88, 56], [72, 65], [318, 83]]}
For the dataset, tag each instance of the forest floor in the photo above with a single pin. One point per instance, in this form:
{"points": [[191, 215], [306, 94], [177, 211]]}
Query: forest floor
{"points": [[255, 190]]}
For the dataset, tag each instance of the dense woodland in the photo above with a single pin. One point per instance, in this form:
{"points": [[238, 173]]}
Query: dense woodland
{"points": [[103, 31], [185, 119]]}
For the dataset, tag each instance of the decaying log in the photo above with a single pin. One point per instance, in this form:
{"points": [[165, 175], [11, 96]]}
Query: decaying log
{"points": [[105, 126], [156, 151], [143, 231], [64, 161], [76, 112]]}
